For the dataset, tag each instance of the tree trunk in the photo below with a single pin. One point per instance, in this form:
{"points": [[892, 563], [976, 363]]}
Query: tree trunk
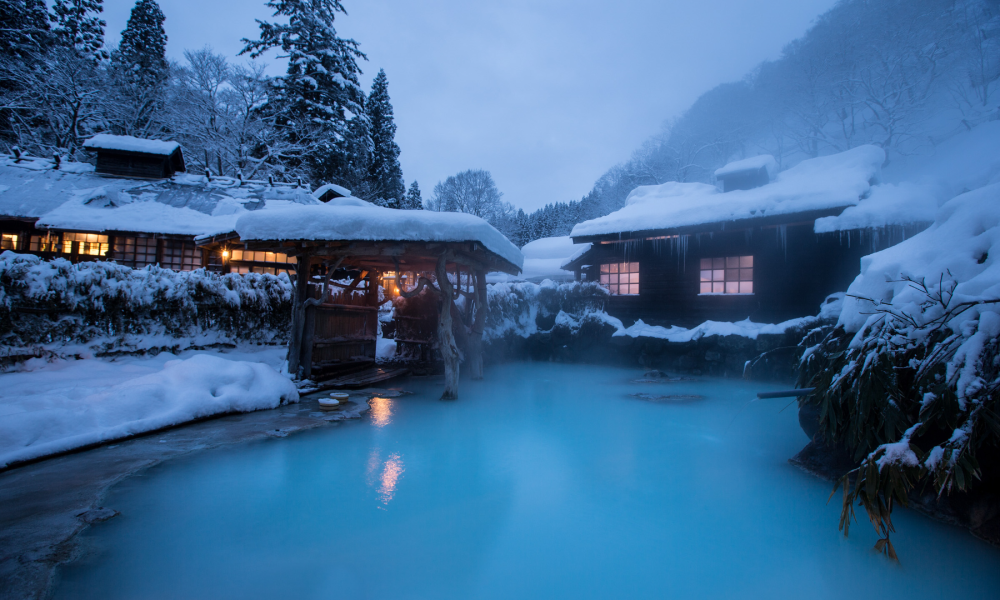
{"points": [[446, 337], [475, 356], [298, 314]]}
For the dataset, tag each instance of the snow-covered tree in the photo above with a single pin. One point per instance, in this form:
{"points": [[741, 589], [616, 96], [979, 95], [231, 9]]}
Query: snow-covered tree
{"points": [[53, 103], [139, 73], [413, 200], [77, 24], [384, 173], [473, 192], [319, 96], [24, 27], [143, 49]]}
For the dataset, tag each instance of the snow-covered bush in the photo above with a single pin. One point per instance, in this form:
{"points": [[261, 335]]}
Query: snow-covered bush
{"points": [[515, 308], [112, 307], [909, 381]]}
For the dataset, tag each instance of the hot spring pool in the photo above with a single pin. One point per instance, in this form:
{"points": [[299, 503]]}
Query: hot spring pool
{"points": [[544, 481]]}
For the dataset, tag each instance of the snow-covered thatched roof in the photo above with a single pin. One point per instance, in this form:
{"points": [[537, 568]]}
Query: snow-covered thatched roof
{"points": [[73, 197], [349, 219], [826, 183], [125, 143]]}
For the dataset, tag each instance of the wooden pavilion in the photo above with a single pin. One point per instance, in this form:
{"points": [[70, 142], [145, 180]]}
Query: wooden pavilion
{"points": [[448, 254]]}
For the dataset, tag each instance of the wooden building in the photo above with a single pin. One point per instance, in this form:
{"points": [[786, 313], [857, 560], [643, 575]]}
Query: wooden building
{"points": [[681, 254], [126, 156], [137, 207], [446, 255]]}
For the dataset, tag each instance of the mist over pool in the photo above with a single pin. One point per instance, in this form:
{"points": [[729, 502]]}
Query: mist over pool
{"points": [[543, 481]]}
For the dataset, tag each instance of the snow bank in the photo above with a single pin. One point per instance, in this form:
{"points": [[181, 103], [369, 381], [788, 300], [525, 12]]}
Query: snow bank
{"points": [[348, 222], [516, 308], [50, 412], [745, 328], [828, 182], [963, 245], [749, 164], [127, 143]]}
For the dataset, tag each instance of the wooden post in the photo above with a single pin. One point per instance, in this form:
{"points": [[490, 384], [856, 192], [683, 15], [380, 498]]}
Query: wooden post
{"points": [[298, 314], [478, 326], [308, 334], [446, 338]]}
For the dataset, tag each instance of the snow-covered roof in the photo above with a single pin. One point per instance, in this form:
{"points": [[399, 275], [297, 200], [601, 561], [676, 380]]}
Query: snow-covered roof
{"points": [[330, 187], [754, 163], [888, 204], [341, 221], [127, 143], [544, 258], [824, 183], [75, 198]]}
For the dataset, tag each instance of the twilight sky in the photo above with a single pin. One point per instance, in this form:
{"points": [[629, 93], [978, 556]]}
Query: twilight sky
{"points": [[545, 94]]}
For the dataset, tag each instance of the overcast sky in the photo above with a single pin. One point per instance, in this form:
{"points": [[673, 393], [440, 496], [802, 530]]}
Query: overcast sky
{"points": [[545, 94]]}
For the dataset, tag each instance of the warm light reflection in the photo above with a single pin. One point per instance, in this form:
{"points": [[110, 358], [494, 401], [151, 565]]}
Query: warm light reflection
{"points": [[390, 476], [381, 411]]}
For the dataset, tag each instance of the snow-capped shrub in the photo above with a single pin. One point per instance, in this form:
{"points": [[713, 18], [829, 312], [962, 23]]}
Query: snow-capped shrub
{"points": [[909, 381], [115, 307], [516, 307]]}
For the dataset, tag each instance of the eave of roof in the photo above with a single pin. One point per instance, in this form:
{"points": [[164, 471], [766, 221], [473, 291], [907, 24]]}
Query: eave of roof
{"points": [[716, 226]]}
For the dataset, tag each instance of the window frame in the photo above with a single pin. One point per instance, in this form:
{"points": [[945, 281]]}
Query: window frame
{"points": [[726, 276], [608, 271]]}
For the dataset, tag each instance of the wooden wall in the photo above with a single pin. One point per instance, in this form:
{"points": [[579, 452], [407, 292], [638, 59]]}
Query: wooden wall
{"points": [[125, 164], [794, 270]]}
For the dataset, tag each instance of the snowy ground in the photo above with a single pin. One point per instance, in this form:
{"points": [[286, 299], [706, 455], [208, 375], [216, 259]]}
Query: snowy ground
{"points": [[49, 407]]}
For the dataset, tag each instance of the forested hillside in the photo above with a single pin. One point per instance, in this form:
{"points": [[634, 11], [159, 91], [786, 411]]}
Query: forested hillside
{"points": [[901, 74], [60, 84]]}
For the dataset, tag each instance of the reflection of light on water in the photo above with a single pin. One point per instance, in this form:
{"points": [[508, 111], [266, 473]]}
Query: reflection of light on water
{"points": [[381, 411], [390, 475]]}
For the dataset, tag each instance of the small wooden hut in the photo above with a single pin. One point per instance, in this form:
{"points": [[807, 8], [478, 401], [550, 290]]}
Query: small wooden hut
{"points": [[443, 249]]}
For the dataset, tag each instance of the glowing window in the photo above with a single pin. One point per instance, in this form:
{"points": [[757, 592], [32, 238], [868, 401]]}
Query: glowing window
{"points": [[8, 241], [728, 275], [267, 257], [89, 244], [621, 279]]}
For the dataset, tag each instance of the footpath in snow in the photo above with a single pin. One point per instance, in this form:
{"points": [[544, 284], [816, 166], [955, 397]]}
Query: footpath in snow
{"points": [[50, 407]]}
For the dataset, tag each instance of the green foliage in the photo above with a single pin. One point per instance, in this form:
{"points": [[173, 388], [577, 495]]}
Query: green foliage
{"points": [[914, 397], [385, 176], [318, 102], [77, 26], [24, 27], [413, 200], [142, 52]]}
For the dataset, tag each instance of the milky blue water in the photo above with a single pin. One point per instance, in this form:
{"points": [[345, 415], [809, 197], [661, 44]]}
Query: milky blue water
{"points": [[544, 481]]}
